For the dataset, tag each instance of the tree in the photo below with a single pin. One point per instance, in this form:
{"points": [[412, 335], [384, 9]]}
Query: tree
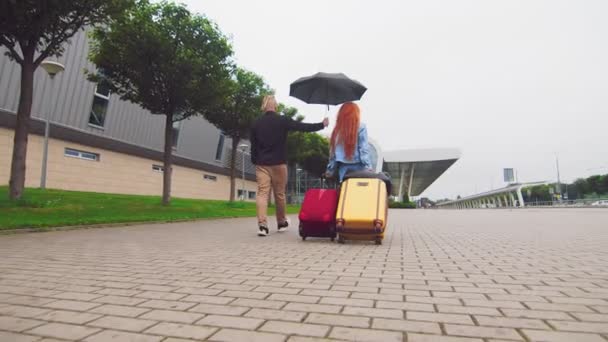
{"points": [[541, 192], [315, 153], [237, 112], [604, 184], [582, 187], [31, 31], [165, 59], [594, 183]]}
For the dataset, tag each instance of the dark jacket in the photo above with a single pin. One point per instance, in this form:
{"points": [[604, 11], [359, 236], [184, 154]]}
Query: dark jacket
{"points": [[269, 137]]}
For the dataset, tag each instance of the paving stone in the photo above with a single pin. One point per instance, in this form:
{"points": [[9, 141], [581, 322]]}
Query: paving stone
{"points": [[289, 328], [231, 322], [494, 303], [325, 293], [347, 301], [21, 311], [68, 317], [482, 332], [365, 335], [233, 335], [537, 314], [405, 306], [14, 337], [511, 322], [122, 323], [600, 328], [161, 295], [119, 310], [16, 324], [280, 315], [311, 339], [321, 308], [339, 320], [63, 331], [28, 300], [207, 299], [181, 331], [219, 309], [294, 298], [76, 296], [72, 305], [201, 291], [257, 303], [559, 336], [119, 300], [172, 316], [470, 310], [166, 304], [411, 337], [405, 325], [372, 312], [591, 317], [558, 307], [439, 317], [121, 336]]}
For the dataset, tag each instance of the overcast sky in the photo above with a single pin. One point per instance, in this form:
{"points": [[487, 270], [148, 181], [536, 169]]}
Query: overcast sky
{"points": [[509, 83]]}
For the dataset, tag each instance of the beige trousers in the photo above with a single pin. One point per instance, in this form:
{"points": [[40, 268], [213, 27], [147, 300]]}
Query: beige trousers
{"points": [[274, 176]]}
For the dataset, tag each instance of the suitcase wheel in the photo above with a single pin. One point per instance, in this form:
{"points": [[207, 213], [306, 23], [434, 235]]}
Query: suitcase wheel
{"points": [[303, 238], [332, 239], [378, 241], [340, 239]]}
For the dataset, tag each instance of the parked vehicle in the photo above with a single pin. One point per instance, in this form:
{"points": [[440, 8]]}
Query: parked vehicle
{"points": [[600, 203]]}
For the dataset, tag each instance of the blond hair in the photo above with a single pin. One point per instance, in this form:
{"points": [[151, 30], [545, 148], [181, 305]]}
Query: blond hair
{"points": [[269, 103]]}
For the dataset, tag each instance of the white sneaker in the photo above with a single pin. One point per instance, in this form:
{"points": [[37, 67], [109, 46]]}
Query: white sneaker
{"points": [[262, 230], [283, 226]]}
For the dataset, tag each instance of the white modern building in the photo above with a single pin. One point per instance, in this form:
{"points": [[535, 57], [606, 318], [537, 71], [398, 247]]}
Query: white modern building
{"points": [[507, 197]]}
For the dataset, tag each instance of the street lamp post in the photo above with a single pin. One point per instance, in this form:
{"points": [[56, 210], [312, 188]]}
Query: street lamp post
{"points": [[298, 184], [51, 68], [243, 149]]}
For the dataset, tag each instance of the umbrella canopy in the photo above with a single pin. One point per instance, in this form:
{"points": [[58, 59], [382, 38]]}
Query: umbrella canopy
{"points": [[327, 88]]}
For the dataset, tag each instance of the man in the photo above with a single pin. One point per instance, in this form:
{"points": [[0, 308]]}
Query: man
{"points": [[269, 154]]}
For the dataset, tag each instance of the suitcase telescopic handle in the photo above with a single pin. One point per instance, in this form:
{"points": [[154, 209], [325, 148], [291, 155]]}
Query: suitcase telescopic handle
{"points": [[325, 181]]}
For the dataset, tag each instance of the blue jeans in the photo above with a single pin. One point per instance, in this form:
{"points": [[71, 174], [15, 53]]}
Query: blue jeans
{"points": [[344, 168]]}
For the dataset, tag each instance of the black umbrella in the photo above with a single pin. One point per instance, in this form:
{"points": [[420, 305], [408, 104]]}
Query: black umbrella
{"points": [[327, 88]]}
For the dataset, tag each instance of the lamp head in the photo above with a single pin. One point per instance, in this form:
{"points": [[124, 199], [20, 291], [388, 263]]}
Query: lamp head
{"points": [[51, 67]]}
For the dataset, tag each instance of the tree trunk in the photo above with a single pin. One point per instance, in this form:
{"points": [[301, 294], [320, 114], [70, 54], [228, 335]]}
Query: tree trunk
{"points": [[235, 145], [24, 111], [168, 161]]}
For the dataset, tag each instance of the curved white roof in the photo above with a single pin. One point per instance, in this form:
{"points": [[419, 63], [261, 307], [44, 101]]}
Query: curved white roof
{"points": [[414, 170], [419, 155]]}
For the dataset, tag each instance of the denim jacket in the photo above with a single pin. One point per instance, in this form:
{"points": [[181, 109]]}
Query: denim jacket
{"points": [[361, 155]]}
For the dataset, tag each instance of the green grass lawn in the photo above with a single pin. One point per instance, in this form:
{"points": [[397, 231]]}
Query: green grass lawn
{"points": [[42, 209]]}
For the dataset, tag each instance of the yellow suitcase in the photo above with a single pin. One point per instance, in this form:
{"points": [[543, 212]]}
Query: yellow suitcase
{"points": [[362, 210]]}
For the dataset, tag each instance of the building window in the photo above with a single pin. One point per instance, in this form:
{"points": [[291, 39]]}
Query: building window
{"points": [[69, 152], [241, 193], [99, 108], [220, 147], [158, 168], [177, 125], [210, 177], [252, 195]]}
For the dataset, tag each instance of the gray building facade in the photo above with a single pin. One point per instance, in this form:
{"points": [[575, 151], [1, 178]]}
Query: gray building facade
{"points": [[84, 112]]}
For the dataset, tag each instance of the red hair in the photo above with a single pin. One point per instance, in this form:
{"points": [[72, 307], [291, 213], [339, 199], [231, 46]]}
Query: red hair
{"points": [[347, 128]]}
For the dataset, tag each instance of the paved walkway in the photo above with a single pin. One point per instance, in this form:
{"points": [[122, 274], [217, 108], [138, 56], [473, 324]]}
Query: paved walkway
{"points": [[448, 276]]}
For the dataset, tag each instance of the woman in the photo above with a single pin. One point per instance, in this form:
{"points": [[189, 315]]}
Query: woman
{"points": [[349, 149]]}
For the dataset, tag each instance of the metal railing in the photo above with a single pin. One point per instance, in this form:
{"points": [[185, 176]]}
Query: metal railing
{"points": [[593, 202]]}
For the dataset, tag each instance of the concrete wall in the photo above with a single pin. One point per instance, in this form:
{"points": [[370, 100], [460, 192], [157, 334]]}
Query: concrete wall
{"points": [[113, 173]]}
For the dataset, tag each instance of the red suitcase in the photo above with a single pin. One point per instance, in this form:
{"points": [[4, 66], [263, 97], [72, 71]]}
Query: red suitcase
{"points": [[318, 213]]}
